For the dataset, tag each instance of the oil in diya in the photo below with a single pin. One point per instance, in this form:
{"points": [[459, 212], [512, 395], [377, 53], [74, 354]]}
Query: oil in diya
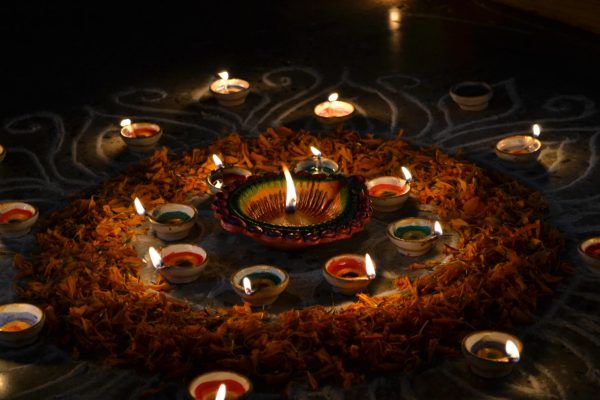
{"points": [[317, 164], [140, 136], [20, 324], [349, 273], [223, 176], [521, 149]]}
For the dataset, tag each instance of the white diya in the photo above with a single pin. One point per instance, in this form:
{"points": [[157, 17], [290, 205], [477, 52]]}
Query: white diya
{"points": [[520, 149], [491, 354], [471, 95], [209, 386], [414, 236], [20, 324], [140, 136], [230, 92], [333, 111], [260, 285], [170, 221], [179, 263], [389, 193], [17, 218]]}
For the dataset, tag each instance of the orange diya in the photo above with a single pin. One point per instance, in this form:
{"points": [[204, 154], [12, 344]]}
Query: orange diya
{"points": [[349, 273]]}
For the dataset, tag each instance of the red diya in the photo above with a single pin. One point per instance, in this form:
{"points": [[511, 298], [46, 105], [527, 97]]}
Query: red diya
{"points": [[206, 386], [140, 136], [589, 250], [389, 193], [349, 273], [324, 209], [224, 176], [16, 218], [179, 263]]}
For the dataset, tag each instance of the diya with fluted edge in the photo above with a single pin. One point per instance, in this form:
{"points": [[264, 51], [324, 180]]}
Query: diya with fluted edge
{"points": [[349, 273], [20, 324], [492, 354], [207, 386], [293, 213], [140, 136], [230, 92], [389, 193], [170, 221], [17, 218], [589, 251], [179, 263], [414, 236], [317, 164], [259, 285], [520, 149], [223, 176]]}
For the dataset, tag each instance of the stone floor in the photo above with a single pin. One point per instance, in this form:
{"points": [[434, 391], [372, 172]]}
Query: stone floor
{"points": [[71, 73]]}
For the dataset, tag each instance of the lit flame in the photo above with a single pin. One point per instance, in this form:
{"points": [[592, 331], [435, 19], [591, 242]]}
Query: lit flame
{"points": [[333, 97], [247, 286], [407, 174], [512, 350], [536, 130], [223, 75], [315, 151], [290, 190], [155, 258], [217, 161], [139, 208], [437, 227], [222, 392], [369, 267], [125, 122], [218, 184]]}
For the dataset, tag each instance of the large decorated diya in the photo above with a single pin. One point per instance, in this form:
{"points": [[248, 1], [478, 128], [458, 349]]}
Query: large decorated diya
{"points": [[326, 209], [20, 324], [140, 136], [414, 236], [389, 193], [16, 218], [223, 176], [206, 386], [349, 273], [520, 149], [260, 285], [491, 354], [589, 251], [179, 263]]}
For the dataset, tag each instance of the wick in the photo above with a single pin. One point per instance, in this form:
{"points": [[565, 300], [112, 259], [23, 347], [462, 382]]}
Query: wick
{"points": [[319, 163]]}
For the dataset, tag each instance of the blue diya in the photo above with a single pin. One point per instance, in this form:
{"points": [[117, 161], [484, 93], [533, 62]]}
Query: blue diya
{"points": [[328, 208]]}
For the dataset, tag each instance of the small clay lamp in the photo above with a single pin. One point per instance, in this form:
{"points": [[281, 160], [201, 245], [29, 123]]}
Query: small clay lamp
{"points": [[169, 221], [589, 251], [17, 218], [333, 111], [349, 273], [179, 263], [520, 149], [414, 236], [230, 92], [20, 324], [491, 354], [389, 193], [140, 136], [317, 164], [471, 95], [219, 385], [223, 176], [259, 285]]}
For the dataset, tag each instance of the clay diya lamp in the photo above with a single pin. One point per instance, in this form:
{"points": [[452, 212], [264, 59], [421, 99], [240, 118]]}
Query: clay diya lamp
{"points": [[589, 250], [169, 221], [333, 111], [293, 213], [223, 176], [179, 263], [230, 92], [471, 95], [389, 193], [414, 236], [140, 136], [2, 153], [208, 386], [349, 273], [17, 218], [520, 149], [491, 354], [317, 164], [259, 285], [20, 324]]}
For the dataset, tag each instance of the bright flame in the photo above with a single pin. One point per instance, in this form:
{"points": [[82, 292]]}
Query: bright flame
{"points": [[512, 350], [407, 174], [369, 267], [222, 392], [333, 97], [217, 161], [223, 75], [155, 258], [394, 17], [536, 130], [218, 184], [437, 227], [315, 151], [125, 122], [290, 190], [139, 208], [247, 286]]}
